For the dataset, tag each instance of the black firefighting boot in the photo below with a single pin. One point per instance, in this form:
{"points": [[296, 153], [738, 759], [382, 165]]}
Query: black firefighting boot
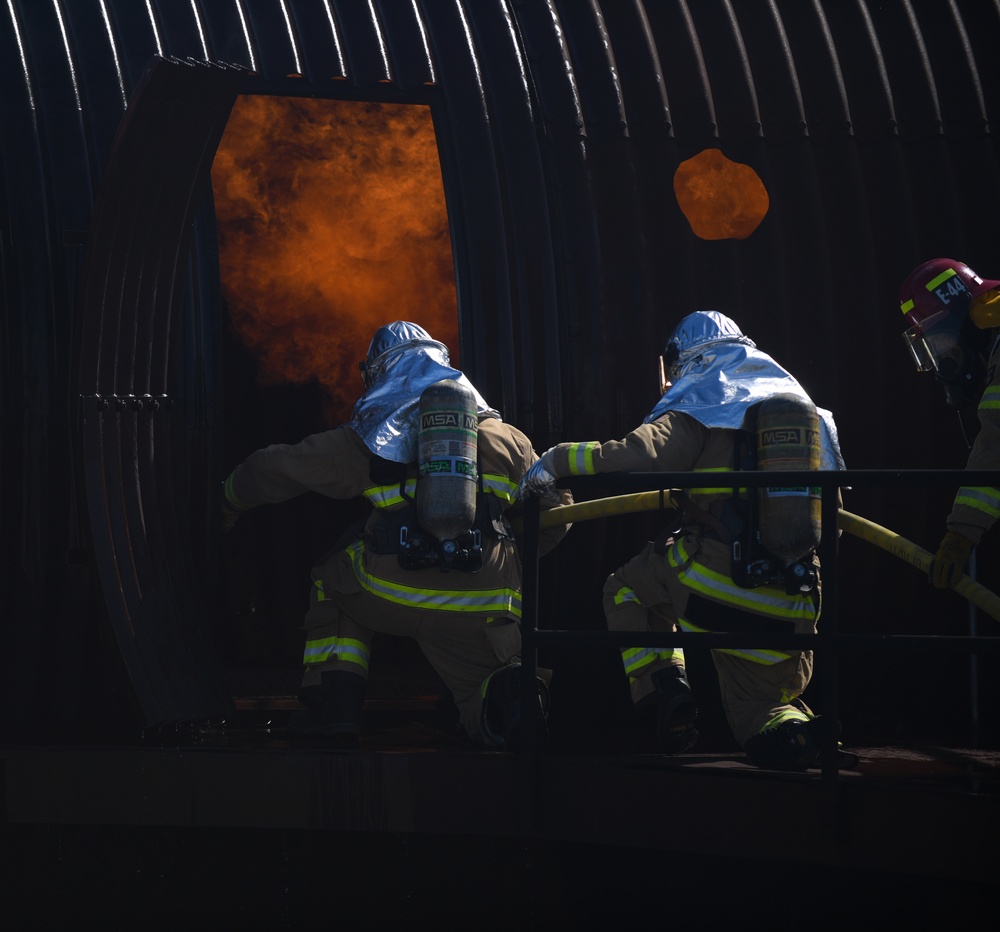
{"points": [[676, 710], [502, 721], [795, 742], [332, 710]]}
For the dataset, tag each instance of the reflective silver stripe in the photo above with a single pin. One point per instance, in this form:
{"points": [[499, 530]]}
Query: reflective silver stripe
{"points": [[500, 486], [626, 594], [766, 657], [321, 650], [635, 659], [990, 399], [382, 496], [447, 600], [581, 458], [767, 600], [982, 498]]}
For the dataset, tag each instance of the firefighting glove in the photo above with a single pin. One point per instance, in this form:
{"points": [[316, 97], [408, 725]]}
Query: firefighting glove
{"points": [[539, 480], [949, 561]]}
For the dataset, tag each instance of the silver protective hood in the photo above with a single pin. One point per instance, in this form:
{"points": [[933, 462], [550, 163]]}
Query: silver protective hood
{"points": [[719, 374], [402, 361]]}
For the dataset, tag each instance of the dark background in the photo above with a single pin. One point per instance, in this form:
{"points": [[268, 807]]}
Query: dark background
{"points": [[560, 126]]}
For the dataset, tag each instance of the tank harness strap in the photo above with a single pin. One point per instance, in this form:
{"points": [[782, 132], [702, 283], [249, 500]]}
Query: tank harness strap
{"points": [[695, 514], [397, 531], [751, 564]]}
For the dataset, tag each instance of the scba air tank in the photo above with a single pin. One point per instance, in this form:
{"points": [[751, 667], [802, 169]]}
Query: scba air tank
{"points": [[788, 438], [448, 477]]}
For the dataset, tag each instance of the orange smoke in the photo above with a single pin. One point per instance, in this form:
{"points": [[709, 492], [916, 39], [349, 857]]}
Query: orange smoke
{"points": [[721, 199], [331, 221]]}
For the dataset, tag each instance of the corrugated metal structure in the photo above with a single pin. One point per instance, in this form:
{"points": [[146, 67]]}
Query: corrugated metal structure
{"points": [[560, 127]]}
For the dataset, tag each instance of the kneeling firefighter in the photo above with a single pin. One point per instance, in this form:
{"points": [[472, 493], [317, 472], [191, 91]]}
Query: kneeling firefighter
{"points": [[733, 560], [435, 560]]}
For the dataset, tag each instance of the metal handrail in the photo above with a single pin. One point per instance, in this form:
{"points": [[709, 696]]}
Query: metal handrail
{"points": [[828, 636]]}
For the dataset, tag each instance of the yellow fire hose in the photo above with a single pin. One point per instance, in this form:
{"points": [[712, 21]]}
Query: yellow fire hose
{"points": [[867, 530]]}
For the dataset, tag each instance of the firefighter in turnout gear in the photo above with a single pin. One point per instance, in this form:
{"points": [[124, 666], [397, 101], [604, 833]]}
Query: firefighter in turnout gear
{"points": [[705, 573], [459, 599], [953, 319]]}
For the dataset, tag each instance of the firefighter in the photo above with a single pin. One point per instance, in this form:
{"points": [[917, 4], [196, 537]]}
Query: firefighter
{"points": [[953, 316], [461, 603], [705, 572]]}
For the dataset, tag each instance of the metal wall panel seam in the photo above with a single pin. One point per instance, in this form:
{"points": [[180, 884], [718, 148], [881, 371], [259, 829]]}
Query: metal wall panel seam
{"points": [[731, 126], [972, 89], [364, 44], [522, 198], [272, 45], [923, 68], [115, 57], [640, 19], [612, 198], [292, 38], [419, 20], [776, 122], [873, 114], [573, 217], [611, 67], [467, 151], [199, 17], [21, 53], [337, 42], [694, 114], [824, 96], [405, 40]]}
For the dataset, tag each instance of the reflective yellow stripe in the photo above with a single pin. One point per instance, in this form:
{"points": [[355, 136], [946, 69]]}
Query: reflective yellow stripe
{"points": [[636, 659], [445, 600], [382, 496], [721, 490], [626, 594], [501, 486], [768, 601], [906, 306], [982, 498], [350, 650], [785, 715], [940, 279], [990, 399], [756, 655], [581, 458]]}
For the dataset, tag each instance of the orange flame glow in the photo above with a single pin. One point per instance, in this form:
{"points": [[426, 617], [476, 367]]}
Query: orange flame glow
{"points": [[720, 198], [331, 221]]}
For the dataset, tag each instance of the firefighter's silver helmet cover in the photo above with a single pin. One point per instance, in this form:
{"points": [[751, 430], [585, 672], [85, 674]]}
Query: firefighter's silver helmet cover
{"points": [[717, 374], [403, 359]]}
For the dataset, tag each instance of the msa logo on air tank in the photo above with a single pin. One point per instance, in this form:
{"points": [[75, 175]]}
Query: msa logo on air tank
{"points": [[458, 419], [797, 435]]}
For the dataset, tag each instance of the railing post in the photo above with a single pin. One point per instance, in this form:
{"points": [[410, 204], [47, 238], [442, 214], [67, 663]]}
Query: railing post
{"points": [[528, 750]]}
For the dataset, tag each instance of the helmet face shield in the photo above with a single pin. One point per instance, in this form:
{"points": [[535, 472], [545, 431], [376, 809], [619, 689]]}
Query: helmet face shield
{"points": [[919, 351], [953, 350]]}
